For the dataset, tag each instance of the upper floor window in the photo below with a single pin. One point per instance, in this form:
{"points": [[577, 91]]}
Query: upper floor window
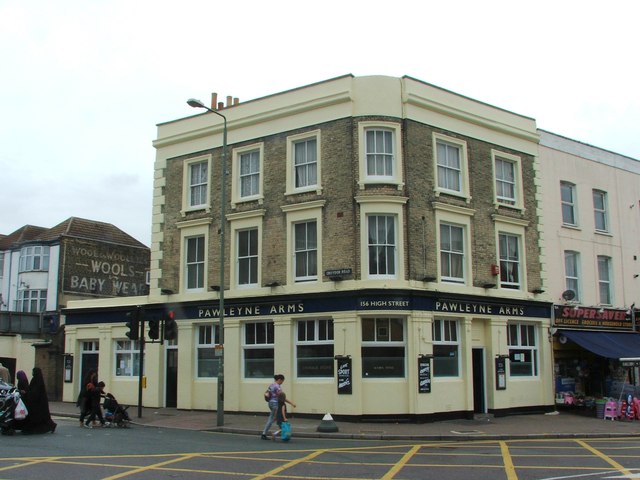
{"points": [[303, 162], [198, 182], [194, 262], [382, 245], [258, 349], [523, 350], [452, 253], [247, 173], [314, 348], [34, 301], [604, 280], [306, 251], [508, 183], [383, 347], [446, 348], [572, 273], [380, 153], [451, 165], [34, 258], [600, 211], [247, 261], [207, 361], [510, 268], [569, 205]]}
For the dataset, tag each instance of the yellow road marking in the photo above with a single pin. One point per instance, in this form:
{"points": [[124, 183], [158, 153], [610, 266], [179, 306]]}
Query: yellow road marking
{"points": [[28, 464], [606, 458], [290, 464], [509, 469], [401, 463], [133, 471]]}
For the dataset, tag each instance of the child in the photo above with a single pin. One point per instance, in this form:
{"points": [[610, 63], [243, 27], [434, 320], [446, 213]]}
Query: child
{"points": [[281, 415]]}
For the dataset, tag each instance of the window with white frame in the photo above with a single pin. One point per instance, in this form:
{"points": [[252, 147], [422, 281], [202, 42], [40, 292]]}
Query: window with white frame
{"points": [[523, 350], [247, 263], [572, 273], [382, 245], [452, 259], [34, 258], [380, 153], [600, 211], [195, 262], [604, 280], [303, 162], [451, 165], [508, 184], [314, 348], [446, 348], [510, 268], [258, 350], [306, 251], [383, 347], [198, 178], [207, 360], [569, 203], [127, 359], [34, 301]]}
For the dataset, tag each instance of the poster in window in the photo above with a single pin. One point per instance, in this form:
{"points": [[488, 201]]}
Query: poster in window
{"points": [[344, 376], [501, 373], [424, 375]]}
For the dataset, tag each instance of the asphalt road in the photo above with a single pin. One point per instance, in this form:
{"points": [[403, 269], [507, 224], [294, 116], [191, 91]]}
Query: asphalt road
{"points": [[162, 453]]}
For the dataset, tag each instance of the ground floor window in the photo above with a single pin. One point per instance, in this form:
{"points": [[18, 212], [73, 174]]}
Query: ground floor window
{"points": [[258, 349], [523, 350], [446, 348], [314, 348], [383, 347], [207, 361], [127, 358]]}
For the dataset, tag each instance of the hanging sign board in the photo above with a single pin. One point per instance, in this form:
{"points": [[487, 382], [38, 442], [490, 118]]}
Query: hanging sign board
{"points": [[501, 373], [344, 376], [424, 375]]}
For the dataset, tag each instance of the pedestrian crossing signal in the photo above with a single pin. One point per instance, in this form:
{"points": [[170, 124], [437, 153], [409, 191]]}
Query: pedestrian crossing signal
{"points": [[154, 329], [170, 327], [133, 324]]}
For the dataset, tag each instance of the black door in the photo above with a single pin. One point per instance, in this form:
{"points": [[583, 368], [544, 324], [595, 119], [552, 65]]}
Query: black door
{"points": [[478, 381], [171, 396]]}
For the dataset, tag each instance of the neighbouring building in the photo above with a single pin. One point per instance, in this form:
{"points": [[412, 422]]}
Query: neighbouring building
{"points": [[381, 250], [42, 269], [591, 232]]}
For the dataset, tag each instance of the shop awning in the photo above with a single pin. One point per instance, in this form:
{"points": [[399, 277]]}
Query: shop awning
{"points": [[606, 344]]}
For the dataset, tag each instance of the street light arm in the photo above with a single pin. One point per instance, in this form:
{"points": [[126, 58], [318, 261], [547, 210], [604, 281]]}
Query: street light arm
{"points": [[195, 103]]}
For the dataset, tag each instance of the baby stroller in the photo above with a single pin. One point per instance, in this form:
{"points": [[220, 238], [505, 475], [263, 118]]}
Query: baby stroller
{"points": [[114, 413], [9, 398]]}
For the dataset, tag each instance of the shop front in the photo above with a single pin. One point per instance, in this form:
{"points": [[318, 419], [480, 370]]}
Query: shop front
{"points": [[596, 352]]}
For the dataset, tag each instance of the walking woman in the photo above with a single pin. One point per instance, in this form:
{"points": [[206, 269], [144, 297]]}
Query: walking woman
{"points": [[274, 391], [37, 402]]}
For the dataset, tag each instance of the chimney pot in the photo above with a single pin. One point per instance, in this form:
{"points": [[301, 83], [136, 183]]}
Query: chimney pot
{"points": [[220, 105], [214, 100], [229, 101], [236, 101]]}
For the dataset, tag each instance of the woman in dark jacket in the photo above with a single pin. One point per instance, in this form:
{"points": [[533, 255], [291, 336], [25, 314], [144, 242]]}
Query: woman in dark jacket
{"points": [[39, 418], [84, 397]]}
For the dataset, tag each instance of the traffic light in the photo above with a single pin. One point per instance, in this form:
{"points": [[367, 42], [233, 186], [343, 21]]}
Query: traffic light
{"points": [[133, 324], [154, 329], [170, 327]]}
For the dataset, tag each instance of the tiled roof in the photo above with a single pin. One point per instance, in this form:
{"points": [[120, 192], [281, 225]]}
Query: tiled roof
{"points": [[72, 227], [23, 234]]}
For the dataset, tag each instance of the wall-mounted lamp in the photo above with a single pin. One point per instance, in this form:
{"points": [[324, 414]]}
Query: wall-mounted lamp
{"points": [[636, 275], [215, 288], [166, 291], [273, 284], [489, 285], [538, 291]]}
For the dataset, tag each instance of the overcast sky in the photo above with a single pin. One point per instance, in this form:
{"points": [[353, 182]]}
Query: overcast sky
{"points": [[83, 83]]}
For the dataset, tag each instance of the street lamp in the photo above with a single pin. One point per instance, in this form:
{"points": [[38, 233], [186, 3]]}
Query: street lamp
{"points": [[223, 200]]}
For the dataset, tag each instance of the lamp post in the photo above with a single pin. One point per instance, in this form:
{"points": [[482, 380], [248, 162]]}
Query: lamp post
{"points": [[223, 200]]}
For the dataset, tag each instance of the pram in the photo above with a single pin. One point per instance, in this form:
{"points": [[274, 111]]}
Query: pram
{"points": [[9, 398], [114, 413]]}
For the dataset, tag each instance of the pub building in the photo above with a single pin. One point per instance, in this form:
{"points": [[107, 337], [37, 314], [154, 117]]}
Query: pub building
{"points": [[596, 351]]}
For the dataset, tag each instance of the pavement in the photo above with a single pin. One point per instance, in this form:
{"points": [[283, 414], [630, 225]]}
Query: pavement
{"points": [[559, 424]]}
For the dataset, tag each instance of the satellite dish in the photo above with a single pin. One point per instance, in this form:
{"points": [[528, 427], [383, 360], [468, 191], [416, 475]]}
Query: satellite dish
{"points": [[568, 295]]}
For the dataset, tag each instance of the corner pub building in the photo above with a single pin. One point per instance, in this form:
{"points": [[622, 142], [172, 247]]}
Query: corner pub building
{"points": [[381, 248]]}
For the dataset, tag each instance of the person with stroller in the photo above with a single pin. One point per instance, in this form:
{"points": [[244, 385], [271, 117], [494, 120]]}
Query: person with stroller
{"points": [[115, 413], [95, 397]]}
